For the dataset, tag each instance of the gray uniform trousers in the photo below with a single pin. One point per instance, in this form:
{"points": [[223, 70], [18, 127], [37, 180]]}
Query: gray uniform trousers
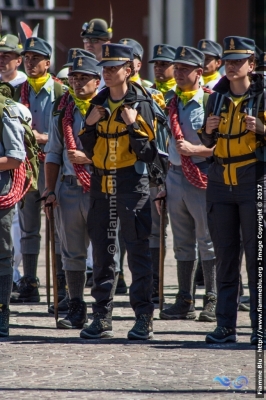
{"points": [[30, 220], [72, 215], [6, 217], [186, 205]]}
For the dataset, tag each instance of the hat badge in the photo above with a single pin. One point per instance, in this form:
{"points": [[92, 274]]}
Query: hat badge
{"points": [[232, 45], [74, 54], [90, 28], [203, 45], [183, 52], [264, 57], [80, 62], [3, 40], [107, 52], [125, 42], [159, 51], [32, 43]]}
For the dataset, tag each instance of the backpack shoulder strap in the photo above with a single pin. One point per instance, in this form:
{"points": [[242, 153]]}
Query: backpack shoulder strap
{"points": [[60, 123], [1, 121], [17, 94], [218, 103], [205, 99], [56, 105], [58, 89]]}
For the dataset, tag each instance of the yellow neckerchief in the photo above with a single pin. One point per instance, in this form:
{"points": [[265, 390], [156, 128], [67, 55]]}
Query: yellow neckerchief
{"points": [[185, 96], [165, 86], [135, 78], [71, 92], [113, 105], [38, 83], [82, 105], [207, 79]]}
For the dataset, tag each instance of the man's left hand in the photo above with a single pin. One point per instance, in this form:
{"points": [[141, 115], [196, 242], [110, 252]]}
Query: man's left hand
{"points": [[185, 148], [78, 157], [41, 138]]}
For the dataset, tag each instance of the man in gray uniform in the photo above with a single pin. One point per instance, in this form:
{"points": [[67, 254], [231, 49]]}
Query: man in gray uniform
{"points": [[186, 183], [65, 149], [38, 94], [12, 153], [94, 34], [10, 61], [213, 53]]}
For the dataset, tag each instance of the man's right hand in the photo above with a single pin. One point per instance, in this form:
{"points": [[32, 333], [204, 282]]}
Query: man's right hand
{"points": [[161, 194], [95, 115], [212, 123], [50, 199]]}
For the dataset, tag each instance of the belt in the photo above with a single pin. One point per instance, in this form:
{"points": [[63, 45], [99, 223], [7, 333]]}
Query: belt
{"points": [[106, 172], [72, 179], [235, 159], [203, 164]]}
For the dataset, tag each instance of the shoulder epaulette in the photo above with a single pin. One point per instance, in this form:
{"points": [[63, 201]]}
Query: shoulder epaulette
{"points": [[11, 108]]}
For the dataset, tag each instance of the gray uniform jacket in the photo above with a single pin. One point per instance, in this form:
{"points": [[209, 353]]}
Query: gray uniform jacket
{"points": [[13, 136], [41, 105], [191, 117], [56, 147]]}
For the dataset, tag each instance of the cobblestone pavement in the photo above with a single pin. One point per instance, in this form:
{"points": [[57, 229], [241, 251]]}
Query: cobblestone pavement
{"points": [[38, 361]]}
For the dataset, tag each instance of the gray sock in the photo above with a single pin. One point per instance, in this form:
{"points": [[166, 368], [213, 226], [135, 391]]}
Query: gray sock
{"points": [[30, 262], [185, 275], [6, 283], [59, 265], [209, 272], [75, 283]]}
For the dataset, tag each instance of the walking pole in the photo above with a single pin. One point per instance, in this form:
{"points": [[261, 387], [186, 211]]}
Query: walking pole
{"points": [[162, 252], [47, 259], [52, 230]]}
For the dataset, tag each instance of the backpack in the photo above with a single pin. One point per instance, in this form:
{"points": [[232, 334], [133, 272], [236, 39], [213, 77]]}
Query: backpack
{"points": [[157, 170], [58, 91], [30, 143]]}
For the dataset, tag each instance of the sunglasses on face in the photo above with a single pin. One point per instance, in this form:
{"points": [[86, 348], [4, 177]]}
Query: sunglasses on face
{"points": [[93, 40]]}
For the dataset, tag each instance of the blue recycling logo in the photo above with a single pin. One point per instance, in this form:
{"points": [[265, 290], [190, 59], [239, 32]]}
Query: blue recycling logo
{"points": [[238, 383]]}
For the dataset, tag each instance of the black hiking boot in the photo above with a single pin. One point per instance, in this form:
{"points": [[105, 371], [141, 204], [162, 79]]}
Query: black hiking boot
{"points": [[100, 328], [143, 328], [76, 316], [209, 307], [222, 334], [4, 320], [183, 308], [63, 305], [27, 292]]}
